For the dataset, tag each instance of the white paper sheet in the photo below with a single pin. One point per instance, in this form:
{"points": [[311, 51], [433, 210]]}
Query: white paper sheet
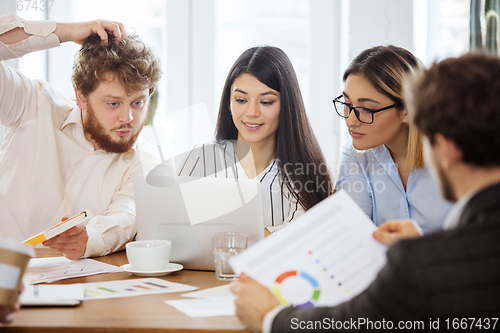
{"points": [[134, 287], [216, 293], [204, 307], [59, 268], [52, 294], [325, 257]]}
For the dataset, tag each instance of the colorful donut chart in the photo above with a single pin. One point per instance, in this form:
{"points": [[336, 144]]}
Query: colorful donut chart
{"points": [[305, 276]]}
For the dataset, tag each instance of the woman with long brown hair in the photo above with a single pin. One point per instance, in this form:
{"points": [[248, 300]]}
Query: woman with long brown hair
{"points": [[263, 132]]}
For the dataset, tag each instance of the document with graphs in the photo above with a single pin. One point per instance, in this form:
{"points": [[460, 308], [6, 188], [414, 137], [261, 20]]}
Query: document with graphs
{"points": [[325, 257]]}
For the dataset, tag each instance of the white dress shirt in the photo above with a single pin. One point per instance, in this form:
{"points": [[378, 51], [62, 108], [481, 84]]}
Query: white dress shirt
{"points": [[47, 167], [451, 221], [219, 160]]}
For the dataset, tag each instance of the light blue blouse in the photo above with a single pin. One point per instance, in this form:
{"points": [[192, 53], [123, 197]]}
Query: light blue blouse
{"points": [[372, 179]]}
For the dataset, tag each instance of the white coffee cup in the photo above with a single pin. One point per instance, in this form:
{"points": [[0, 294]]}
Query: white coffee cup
{"points": [[149, 255], [14, 259]]}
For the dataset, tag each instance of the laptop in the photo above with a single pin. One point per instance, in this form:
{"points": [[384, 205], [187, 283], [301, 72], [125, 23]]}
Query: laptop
{"points": [[188, 210]]}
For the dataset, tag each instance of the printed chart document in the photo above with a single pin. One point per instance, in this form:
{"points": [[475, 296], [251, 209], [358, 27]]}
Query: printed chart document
{"points": [[72, 294], [326, 257], [59, 268], [135, 287]]}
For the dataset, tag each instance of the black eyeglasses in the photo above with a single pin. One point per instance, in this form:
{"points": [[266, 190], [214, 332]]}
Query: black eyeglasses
{"points": [[364, 115]]}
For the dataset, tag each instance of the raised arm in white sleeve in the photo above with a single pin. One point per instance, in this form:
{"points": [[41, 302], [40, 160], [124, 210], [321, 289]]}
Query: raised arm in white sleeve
{"points": [[34, 36], [16, 89]]}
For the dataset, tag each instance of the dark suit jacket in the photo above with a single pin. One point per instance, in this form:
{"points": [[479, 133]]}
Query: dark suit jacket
{"points": [[447, 274]]}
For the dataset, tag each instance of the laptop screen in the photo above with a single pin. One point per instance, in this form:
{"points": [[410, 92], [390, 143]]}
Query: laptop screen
{"points": [[188, 210]]}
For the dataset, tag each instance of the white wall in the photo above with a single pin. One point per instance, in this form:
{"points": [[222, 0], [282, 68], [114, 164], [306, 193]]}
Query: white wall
{"points": [[325, 68], [380, 22], [340, 30], [368, 23]]}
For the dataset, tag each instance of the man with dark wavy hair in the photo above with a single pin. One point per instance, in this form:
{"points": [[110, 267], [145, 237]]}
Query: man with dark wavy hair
{"points": [[58, 159], [446, 280]]}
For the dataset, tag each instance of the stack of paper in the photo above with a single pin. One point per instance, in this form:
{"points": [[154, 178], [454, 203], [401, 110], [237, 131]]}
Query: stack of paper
{"points": [[72, 294], [52, 295], [135, 287], [58, 268]]}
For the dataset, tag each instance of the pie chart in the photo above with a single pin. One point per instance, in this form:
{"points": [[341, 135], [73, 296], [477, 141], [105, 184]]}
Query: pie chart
{"points": [[302, 275]]}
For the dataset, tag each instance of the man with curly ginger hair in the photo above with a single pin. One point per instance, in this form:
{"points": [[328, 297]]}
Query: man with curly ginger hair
{"points": [[58, 159]]}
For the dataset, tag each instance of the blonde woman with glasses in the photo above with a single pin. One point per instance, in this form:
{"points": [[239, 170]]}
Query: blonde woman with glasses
{"points": [[382, 165]]}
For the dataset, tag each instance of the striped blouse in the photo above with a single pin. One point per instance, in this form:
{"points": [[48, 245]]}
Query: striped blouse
{"points": [[218, 159]]}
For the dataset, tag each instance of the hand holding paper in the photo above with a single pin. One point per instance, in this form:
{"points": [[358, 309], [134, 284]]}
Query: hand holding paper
{"points": [[72, 243], [59, 228], [326, 257], [68, 237], [254, 301]]}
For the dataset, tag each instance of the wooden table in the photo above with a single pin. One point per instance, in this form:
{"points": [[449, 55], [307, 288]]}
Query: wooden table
{"points": [[129, 314]]}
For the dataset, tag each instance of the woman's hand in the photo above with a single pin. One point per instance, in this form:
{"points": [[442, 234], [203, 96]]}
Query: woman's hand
{"points": [[394, 230]]}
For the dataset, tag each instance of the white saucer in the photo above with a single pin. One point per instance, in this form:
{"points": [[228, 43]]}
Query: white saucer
{"points": [[171, 267]]}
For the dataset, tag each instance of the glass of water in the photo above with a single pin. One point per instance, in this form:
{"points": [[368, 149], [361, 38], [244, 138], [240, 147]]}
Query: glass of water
{"points": [[227, 245]]}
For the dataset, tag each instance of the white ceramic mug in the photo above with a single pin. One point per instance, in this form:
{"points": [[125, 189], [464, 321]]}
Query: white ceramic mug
{"points": [[149, 255]]}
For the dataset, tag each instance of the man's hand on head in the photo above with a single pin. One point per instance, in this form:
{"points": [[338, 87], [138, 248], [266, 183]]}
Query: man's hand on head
{"points": [[253, 302], [78, 32], [72, 243]]}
